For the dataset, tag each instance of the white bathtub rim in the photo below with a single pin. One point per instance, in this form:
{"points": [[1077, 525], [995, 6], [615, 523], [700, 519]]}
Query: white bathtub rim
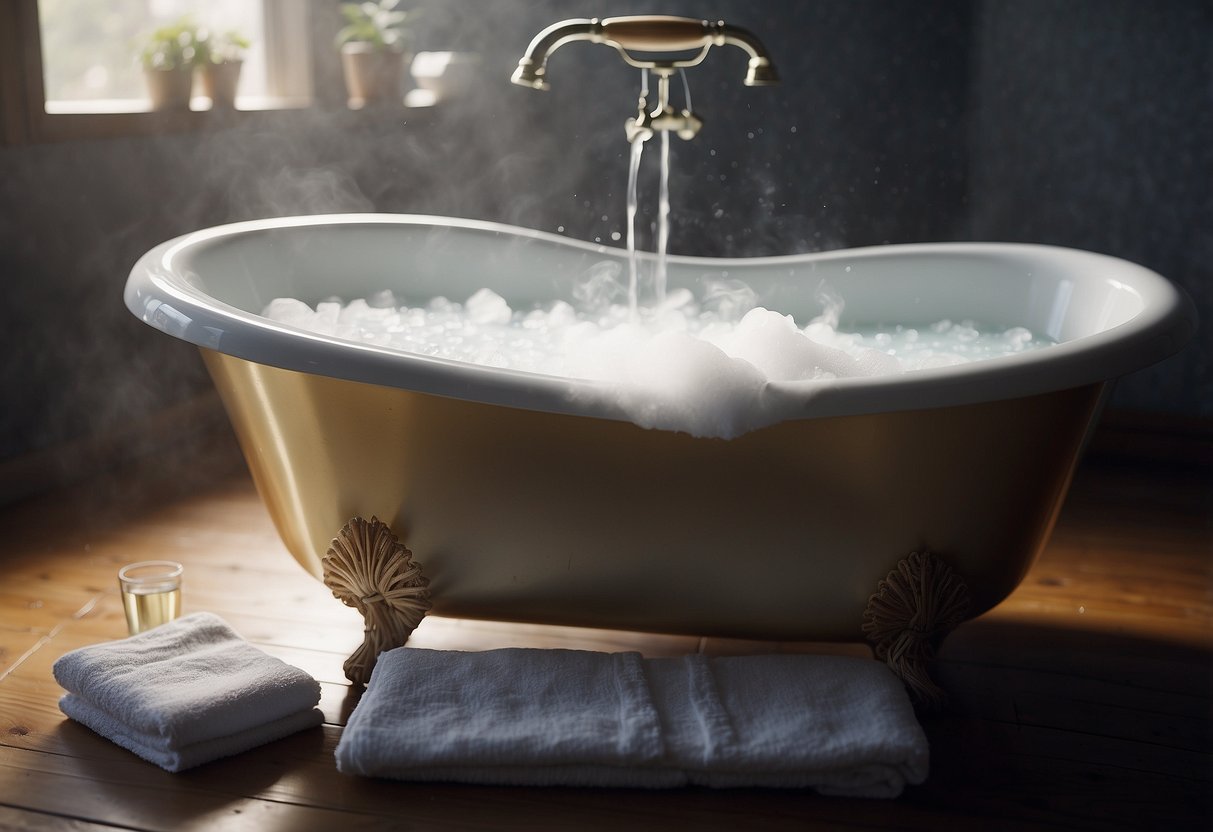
{"points": [[159, 292]]}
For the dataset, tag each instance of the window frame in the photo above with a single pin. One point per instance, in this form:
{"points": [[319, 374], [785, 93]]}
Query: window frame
{"points": [[291, 65]]}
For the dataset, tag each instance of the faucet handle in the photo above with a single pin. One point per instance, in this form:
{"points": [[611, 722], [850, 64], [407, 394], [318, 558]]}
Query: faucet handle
{"points": [[638, 128], [688, 126], [657, 33]]}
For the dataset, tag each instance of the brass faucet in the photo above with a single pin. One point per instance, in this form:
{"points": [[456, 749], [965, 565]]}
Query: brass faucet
{"points": [[649, 33]]}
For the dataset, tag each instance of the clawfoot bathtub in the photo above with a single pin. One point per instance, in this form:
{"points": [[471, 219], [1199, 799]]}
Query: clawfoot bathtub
{"points": [[519, 497]]}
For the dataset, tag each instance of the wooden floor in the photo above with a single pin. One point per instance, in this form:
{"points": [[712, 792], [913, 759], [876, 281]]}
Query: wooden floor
{"points": [[1082, 702]]}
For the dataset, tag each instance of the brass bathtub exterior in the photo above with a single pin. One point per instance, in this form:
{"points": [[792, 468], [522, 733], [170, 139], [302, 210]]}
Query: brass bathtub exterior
{"points": [[783, 533]]}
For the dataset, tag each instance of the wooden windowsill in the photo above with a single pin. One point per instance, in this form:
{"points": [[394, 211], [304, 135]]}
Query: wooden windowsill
{"points": [[110, 106], [72, 123], [67, 125]]}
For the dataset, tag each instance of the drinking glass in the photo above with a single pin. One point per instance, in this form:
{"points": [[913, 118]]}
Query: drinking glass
{"points": [[151, 593]]}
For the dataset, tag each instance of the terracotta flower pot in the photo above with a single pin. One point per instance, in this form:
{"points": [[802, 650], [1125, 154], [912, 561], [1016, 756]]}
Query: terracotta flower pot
{"points": [[372, 76], [170, 89], [219, 83]]}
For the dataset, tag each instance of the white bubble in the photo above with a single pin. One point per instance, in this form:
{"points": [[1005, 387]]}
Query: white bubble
{"points": [[384, 299], [289, 311], [488, 307]]}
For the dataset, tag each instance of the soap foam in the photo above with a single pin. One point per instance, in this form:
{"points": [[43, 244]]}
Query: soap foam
{"points": [[697, 366]]}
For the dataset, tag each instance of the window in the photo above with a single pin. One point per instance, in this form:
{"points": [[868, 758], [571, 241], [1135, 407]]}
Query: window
{"points": [[71, 68], [89, 48]]}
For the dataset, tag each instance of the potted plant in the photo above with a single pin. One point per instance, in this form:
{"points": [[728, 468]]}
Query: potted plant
{"points": [[372, 45], [219, 58], [168, 56]]}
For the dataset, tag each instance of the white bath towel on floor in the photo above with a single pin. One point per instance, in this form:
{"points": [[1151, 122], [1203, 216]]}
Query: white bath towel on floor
{"points": [[559, 717], [178, 758], [187, 691]]}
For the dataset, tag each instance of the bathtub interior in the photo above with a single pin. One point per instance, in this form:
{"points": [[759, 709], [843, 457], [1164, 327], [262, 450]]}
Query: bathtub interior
{"points": [[1109, 316], [1060, 294]]}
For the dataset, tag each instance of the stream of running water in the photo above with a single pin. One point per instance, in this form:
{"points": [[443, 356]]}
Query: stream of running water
{"points": [[663, 208]]}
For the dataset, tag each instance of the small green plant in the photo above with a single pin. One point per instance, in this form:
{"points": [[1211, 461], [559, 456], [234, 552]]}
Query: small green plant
{"points": [[171, 47], [184, 43], [380, 24], [220, 48]]}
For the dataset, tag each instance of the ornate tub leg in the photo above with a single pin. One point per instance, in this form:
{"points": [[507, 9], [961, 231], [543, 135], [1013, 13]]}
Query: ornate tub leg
{"points": [[920, 602], [369, 569]]}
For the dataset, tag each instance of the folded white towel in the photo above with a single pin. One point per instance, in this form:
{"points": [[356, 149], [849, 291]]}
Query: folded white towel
{"points": [[178, 758], [560, 717], [186, 692]]}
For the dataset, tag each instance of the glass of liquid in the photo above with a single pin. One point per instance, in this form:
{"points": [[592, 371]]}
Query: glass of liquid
{"points": [[151, 593]]}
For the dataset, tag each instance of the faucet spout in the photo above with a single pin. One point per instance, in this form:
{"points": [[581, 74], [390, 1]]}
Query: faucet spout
{"points": [[760, 72], [532, 68]]}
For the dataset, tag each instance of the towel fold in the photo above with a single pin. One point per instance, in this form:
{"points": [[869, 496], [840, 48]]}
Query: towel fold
{"points": [[186, 692], [562, 717], [174, 758]]}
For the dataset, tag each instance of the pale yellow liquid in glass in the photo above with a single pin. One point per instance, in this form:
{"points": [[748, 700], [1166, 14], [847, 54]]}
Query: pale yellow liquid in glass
{"points": [[148, 607]]}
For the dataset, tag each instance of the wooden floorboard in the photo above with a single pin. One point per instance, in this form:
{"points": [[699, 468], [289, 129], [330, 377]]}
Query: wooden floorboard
{"points": [[1083, 702]]}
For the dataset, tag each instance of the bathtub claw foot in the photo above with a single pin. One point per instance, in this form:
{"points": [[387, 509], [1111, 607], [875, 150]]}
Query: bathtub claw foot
{"points": [[914, 608], [369, 569]]}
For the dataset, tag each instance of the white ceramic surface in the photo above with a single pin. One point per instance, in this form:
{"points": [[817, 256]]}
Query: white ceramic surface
{"points": [[1109, 316]]}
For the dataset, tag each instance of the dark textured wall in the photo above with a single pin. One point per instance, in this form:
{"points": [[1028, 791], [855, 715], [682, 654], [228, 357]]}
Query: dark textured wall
{"points": [[1092, 127], [863, 142], [1078, 123]]}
